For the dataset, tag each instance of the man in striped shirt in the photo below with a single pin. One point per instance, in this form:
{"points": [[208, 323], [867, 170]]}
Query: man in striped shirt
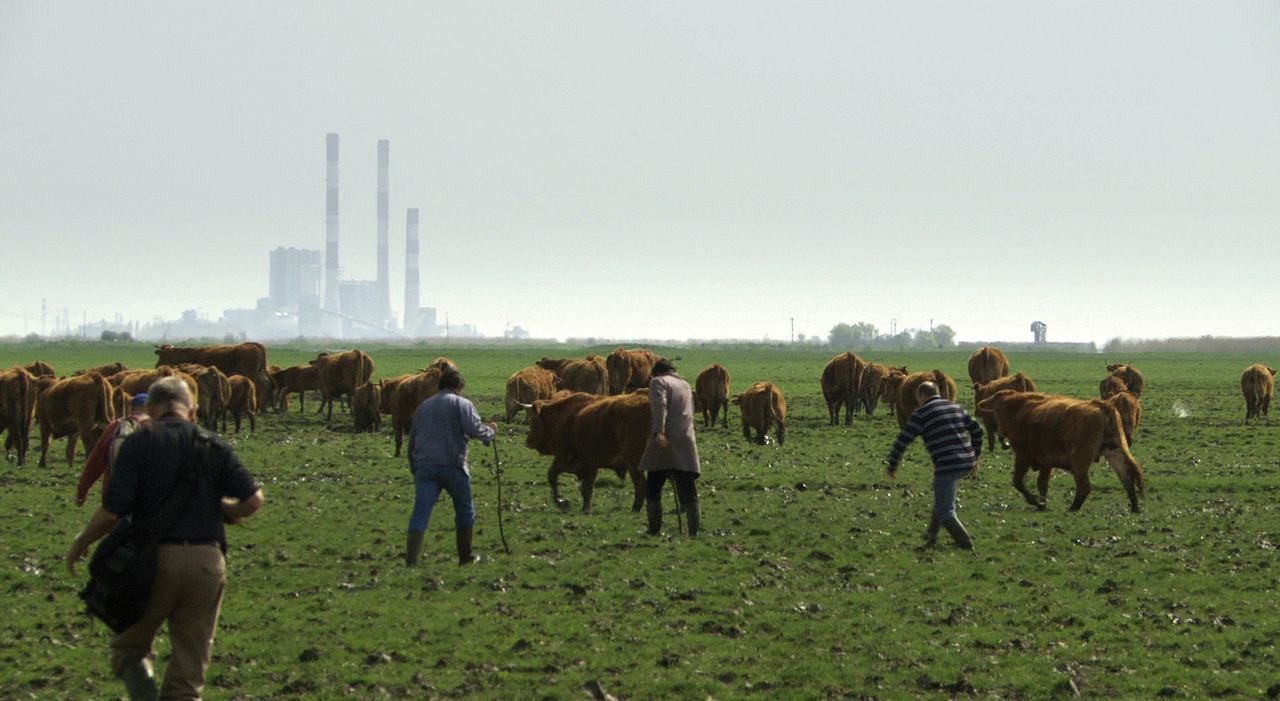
{"points": [[954, 442]]}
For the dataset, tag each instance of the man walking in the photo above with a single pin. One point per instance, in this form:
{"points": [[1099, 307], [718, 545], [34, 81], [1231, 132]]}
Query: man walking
{"points": [[191, 569], [672, 450], [438, 439], [954, 441], [104, 452]]}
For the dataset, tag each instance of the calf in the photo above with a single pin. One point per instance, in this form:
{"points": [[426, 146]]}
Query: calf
{"points": [[763, 407], [711, 395]]}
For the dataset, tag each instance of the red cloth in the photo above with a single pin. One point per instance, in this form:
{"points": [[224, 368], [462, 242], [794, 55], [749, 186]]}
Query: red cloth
{"points": [[97, 464]]}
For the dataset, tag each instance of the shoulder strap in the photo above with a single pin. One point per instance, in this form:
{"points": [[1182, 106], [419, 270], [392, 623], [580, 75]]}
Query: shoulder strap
{"points": [[163, 520]]}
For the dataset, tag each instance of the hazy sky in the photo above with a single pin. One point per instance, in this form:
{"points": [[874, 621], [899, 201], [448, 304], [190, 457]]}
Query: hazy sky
{"points": [[658, 169]]}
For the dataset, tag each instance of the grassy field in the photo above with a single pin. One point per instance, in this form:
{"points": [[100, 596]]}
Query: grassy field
{"points": [[807, 584]]}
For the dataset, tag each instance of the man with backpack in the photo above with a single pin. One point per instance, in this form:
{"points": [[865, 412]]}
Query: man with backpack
{"points": [[176, 472], [103, 455]]}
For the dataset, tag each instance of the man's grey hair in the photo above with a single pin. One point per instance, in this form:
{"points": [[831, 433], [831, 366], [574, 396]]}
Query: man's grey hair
{"points": [[170, 389], [927, 389]]}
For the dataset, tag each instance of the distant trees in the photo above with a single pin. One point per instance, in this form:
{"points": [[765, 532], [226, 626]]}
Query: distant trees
{"points": [[110, 336], [867, 336]]}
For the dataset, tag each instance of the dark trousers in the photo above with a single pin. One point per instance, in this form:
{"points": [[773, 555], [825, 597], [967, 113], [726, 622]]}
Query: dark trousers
{"points": [[686, 487]]}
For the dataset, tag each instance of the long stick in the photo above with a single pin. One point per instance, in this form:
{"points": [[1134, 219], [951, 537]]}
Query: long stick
{"points": [[497, 471]]}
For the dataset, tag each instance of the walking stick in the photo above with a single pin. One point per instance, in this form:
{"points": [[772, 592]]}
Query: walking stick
{"points": [[497, 471]]}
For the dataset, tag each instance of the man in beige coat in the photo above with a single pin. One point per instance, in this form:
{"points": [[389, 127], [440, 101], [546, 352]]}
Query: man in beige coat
{"points": [[672, 450]]}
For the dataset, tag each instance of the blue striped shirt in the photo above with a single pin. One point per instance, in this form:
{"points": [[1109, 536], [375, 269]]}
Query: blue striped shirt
{"points": [[952, 437]]}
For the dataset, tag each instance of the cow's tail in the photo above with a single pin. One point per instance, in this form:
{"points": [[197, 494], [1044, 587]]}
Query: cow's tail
{"points": [[359, 372], [24, 416], [776, 416], [1115, 436], [103, 413]]}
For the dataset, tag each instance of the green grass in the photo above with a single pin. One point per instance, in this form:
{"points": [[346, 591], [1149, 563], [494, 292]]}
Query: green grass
{"points": [[806, 584]]}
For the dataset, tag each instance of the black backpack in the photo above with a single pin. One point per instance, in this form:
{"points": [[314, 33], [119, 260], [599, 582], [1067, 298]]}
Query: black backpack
{"points": [[123, 567]]}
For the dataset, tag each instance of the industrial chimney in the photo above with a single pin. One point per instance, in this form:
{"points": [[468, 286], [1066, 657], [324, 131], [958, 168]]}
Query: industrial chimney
{"points": [[411, 272], [331, 303], [384, 276]]}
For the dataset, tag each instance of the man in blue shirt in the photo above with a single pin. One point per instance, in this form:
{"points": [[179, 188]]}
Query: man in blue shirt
{"points": [[442, 425], [954, 441]]}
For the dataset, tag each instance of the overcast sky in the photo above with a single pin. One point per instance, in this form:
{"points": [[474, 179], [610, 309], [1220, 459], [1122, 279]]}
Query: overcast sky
{"points": [[658, 169]]}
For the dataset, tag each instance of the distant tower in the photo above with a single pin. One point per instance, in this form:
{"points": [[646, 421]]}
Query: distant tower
{"points": [[1040, 330], [384, 276], [331, 299], [411, 271]]}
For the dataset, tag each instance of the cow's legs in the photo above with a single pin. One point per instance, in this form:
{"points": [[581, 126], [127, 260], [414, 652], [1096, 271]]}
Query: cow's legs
{"points": [[553, 475], [587, 486], [1116, 460], [746, 431], [724, 413], [44, 448], [760, 436], [253, 423], [638, 483], [71, 449], [850, 405], [782, 433], [1082, 486], [1020, 467], [1042, 483]]}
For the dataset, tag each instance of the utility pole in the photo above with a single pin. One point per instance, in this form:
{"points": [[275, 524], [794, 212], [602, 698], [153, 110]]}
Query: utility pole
{"points": [[793, 330], [44, 310]]}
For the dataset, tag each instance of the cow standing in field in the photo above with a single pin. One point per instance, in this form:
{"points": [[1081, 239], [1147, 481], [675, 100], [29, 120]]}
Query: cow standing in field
{"points": [[586, 432], [1049, 432], [215, 395], [17, 405], [891, 386], [629, 369], [988, 363], [248, 359], [1018, 382], [340, 374], [242, 402], [527, 386], [39, 368], [75, 408], [1257, 383], [711, 394], [1132, 378], [365, 408], [590, 374], [407, 394], [763, 407], [907, 401], [873, 376], [106, 370], [840, 379], [135, 381], [1130, 409], [295, 378]]}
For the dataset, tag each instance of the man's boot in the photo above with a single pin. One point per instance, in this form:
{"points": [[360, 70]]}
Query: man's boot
{"points": [[465, 556], [654, 511], [139, 683], [931, 533], [413, 547], [693, 511], [958, 533]]}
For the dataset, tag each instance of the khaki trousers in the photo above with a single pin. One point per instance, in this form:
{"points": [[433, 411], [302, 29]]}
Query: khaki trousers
{"points": [[188, 594]]}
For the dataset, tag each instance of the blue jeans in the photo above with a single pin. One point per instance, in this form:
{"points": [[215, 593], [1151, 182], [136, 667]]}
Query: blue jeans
{"points": [[428, 481], [944, 493]]}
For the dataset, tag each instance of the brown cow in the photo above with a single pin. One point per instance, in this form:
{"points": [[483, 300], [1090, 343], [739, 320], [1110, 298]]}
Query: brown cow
{"points": [[120, 401], [248, 359], [296, 378], [711, 394], [339, 375], [242, 402], [387, 387], [890, 385], [39, 368], [75, 408], [763, 407], [135, 381], [1048, 432], [1257, 383], [215, 395], [407, 395], [629, 369], [1110, 385], [105, 370], [1018, 382], [1130, 410], [586, 432], [527, 386], [589, 375], [1132, 378], [907, 402], [17, 404], [365, 404], [840, 381], [986, 364]]}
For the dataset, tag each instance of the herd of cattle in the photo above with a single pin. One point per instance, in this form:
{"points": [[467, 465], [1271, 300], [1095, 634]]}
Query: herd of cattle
{"points": [[593, 412]]}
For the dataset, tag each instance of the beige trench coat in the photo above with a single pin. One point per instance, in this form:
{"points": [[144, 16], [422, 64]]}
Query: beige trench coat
{"points": [[671, 404]]}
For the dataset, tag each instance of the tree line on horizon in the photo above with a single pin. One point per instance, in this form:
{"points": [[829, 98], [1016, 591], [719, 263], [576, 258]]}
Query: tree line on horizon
{"points": [[865, 335]]}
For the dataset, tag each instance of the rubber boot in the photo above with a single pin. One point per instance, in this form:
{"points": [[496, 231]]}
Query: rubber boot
{"points": [[958, 533], [413, 547], [139, 683], [693, 512], [465, 556], [931, 533], [654, 511]]}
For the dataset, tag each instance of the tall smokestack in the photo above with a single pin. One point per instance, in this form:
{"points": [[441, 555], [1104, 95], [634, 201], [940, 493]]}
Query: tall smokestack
{"points": [[331, 302], [411, 271], [384, 275]]}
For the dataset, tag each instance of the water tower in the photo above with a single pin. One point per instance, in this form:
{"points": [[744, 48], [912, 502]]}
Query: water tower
{"points": [[1040, 330]]}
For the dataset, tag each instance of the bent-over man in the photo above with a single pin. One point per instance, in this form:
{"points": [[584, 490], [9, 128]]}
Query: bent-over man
{"points": [[191, 568], [672, 450]]}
